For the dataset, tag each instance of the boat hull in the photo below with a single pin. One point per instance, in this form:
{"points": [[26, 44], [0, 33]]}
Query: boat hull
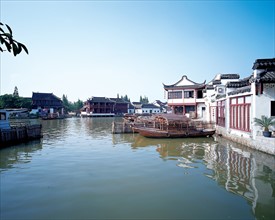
{"points": [[156, 133]]}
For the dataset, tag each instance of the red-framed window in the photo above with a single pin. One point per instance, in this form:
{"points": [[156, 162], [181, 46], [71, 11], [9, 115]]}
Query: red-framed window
{"points": [[175, 95], [220, 113], [240, 113]]}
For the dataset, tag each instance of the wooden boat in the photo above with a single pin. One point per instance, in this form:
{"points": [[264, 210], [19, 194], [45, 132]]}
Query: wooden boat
{"points": [[14, 134], [157, 133], [172, 126]]}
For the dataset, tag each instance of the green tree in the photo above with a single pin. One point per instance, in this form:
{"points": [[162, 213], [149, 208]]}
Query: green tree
{"points": [[71, 106], [77, 105], [11, 101], [15, 92], [8, 43], [144, 100], [66, 102]]}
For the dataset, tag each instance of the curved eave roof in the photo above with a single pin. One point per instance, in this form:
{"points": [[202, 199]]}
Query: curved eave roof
{"points": [[240, 90], [268, 77], [184, 76], [264, 63], [196, 86]]}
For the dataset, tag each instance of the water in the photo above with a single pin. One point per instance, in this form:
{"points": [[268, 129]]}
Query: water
{"points": [[79, 170]]}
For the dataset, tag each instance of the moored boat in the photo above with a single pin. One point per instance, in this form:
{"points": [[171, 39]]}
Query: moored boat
{"points": [[14, 134], [157, 133], [172, 126]]}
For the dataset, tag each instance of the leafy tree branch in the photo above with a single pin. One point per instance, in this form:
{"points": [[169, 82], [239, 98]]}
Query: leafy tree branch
{"points": [[8, 43]]}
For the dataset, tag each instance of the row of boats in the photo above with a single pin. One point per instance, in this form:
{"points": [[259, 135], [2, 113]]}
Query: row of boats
{"points": [[152, 126], [169, 126]]}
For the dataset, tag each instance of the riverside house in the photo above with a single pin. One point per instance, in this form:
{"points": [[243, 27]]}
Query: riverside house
{"points": [[186, 97], [231, 103], [46, 103], [147, 108], [242, 101], [103, 106]]}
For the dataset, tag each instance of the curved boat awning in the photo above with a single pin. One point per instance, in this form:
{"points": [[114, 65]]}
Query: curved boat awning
{"points": [[171, 118]]}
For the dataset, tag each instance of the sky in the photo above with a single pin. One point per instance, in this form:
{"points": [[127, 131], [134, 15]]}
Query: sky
{"points": [[105, 48]]}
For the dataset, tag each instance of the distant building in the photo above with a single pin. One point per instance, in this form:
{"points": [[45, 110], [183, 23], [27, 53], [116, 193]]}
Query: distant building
{"points": [[131, 109], [161, 105], [103, 106], [46, 103], [121, 106], [147, 108]]}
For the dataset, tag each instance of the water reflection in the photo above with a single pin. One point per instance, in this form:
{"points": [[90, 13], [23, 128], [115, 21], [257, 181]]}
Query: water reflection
{"points": [[240, 170], [55, 131], [12, 156]]}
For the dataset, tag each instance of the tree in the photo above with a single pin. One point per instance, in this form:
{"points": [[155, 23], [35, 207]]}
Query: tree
{"points": [[144, 100], [78, 105], [71, 106], [66, 102], [15, 92], [11, 101], [8, 43]]}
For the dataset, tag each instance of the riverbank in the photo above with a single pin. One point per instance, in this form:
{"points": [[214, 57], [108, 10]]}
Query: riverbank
{"points": [[263, 144]]}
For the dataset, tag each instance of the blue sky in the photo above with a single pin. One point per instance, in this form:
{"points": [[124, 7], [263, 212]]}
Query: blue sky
{"points": [[104, 48]]}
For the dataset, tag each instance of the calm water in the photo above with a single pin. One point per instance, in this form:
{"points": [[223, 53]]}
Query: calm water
{"points": [[79, 170]]}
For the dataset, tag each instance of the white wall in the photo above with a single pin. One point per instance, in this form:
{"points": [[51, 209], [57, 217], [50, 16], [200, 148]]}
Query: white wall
{"points": [[201, 114]]}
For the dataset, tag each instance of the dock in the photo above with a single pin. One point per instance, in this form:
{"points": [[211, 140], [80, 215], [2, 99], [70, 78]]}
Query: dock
{"points": [[19, 133], [124, 127]]}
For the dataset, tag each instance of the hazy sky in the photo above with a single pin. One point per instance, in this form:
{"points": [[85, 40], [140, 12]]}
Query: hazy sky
{"points": [[104, 48]]}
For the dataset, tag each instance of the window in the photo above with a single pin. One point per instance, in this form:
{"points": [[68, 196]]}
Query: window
{"points": [[272, 108], [188, 94], [175, 95], [189, 108], [240, 113], [220, 113], [2, 116], [199, 94]]}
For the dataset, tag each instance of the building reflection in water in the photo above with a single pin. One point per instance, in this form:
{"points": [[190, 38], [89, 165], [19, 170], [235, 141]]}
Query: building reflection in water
{"points": [[240, 170], [18, 154]]}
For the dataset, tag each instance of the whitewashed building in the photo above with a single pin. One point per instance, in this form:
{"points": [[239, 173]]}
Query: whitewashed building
{"points": [[186, 97], [161, 105], [147, 109], [242, 101]]}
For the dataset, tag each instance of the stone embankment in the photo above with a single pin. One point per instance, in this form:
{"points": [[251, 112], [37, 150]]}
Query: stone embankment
{"points": [[261, 143]]}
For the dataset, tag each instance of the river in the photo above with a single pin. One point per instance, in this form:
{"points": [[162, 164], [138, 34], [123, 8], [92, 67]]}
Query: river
{"points": [[79, 170]]}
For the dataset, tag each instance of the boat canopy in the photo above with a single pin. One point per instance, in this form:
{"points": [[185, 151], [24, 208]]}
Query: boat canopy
{"points": [[171, 118]]}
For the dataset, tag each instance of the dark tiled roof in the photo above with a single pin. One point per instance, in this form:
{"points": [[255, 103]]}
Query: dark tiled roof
{"points": [[239, 84], [217, 82], [149, 106], [196, 86], [267, 76], [240, 90], [175, 84], [209, 87], [264, 64], [219, 96], [160, 103], [131, 106], [118, 100], [230, 76], [44, 96], [100, 99]]}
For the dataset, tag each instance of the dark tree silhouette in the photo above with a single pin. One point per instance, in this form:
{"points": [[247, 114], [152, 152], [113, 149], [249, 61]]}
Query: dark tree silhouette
{"points": [[8, 43]]}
